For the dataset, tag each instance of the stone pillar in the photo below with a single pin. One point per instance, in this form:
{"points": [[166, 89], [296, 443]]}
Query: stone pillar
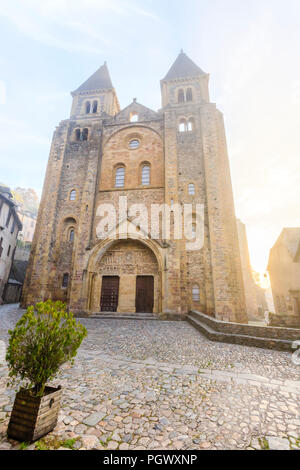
{"points": [[96, 292]]}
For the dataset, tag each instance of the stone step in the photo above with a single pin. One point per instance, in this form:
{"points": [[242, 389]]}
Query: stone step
{"points": [[124, 316], [246, 340], [129, 314]]}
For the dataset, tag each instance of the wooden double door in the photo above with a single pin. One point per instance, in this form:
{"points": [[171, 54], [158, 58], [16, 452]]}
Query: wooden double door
{"points": [[144, 299]]}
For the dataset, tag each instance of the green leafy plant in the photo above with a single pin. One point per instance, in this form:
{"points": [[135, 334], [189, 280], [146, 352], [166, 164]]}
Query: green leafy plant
{"points": [[41, 445], [263, 443], [69, 443], [24, 445], [46, 337]]}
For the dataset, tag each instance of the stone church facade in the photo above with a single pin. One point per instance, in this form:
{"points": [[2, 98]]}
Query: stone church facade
{"points": [[177, 155]]}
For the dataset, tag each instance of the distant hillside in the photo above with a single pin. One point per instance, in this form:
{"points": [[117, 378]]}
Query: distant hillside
{"points": [[27, 199]]}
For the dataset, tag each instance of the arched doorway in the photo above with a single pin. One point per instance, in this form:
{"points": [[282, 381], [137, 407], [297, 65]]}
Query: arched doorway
{"points": [[126, 278]]}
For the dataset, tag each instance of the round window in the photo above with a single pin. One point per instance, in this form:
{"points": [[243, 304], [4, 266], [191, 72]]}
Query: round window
{"points": [[134, 144]]}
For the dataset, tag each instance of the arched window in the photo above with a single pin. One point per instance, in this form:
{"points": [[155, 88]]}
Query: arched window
{"points": [[85, 134], [196, 293], [120, 177], [78, 134], [189, 94], [95, 106], [180, 96], [182, 125], [73, 195], [191, 189], [65, 280], [134, 117], [87, 107], [190, 125], [71, 235], [146, 175]]}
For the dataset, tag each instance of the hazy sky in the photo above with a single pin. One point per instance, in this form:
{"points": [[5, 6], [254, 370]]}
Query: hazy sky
{"points": [[250, 48]]}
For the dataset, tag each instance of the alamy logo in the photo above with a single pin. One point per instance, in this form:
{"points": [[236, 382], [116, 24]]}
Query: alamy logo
{"points": [[158, 221]]}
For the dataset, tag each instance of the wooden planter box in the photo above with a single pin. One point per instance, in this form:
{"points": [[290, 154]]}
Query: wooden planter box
{"points": [[33, 417]]}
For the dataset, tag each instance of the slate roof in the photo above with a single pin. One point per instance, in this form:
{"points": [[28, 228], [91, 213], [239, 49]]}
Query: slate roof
{"points": [[183, 67], [142, 111], [5, 197], [100, 80]]}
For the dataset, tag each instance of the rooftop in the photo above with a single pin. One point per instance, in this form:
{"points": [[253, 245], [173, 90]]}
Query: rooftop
{"points": [[98, 81], [183, 67]]}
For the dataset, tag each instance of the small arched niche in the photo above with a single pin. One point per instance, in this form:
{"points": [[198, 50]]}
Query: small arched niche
{"points": [[87, 107], [180, 96], [182, 125], [134, 117], [189, 94]]}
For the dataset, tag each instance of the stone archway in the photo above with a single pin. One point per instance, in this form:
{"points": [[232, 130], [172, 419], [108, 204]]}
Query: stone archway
{"points": [[129, 260]]}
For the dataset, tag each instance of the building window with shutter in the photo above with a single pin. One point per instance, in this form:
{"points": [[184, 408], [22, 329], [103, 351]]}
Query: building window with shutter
{"points": [[8, 218]]}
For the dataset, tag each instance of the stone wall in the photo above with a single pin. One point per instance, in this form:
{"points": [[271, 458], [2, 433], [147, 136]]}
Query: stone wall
{"points": [[288, 321], [250, 330]]}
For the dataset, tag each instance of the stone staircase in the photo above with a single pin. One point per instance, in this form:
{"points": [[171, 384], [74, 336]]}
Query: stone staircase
{"points": [[280, 339], [124, 316]]}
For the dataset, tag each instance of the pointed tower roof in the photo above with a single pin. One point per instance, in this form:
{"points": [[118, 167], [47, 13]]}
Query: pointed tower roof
{"points": [[98, 81], [183, 67]]}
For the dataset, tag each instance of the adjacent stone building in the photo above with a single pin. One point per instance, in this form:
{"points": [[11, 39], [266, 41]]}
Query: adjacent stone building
{"points": [[10, 226], [284, 271], [28, 221], [177, 155], [27, 202]]}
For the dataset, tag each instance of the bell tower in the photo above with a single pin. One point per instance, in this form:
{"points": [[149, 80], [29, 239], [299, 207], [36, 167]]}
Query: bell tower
{"points": [[197, 172], [95, 97], [184, 83]]}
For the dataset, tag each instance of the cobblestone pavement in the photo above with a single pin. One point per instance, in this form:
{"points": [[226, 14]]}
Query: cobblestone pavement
{"points": [[162, 385]]}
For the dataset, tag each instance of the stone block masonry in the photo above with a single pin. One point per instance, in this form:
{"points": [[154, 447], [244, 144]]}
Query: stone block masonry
{"points": [[99, 155]]}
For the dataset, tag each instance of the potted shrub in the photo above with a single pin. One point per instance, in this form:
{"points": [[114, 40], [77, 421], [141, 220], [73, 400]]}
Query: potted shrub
{"points": [[45, 337]]}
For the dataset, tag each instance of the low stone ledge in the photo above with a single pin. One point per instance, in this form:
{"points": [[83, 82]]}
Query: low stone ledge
{"points": [[248, 330], [238, 338]]}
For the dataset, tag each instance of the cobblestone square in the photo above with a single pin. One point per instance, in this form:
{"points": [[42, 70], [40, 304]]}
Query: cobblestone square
{"points": [[162, 385]]}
